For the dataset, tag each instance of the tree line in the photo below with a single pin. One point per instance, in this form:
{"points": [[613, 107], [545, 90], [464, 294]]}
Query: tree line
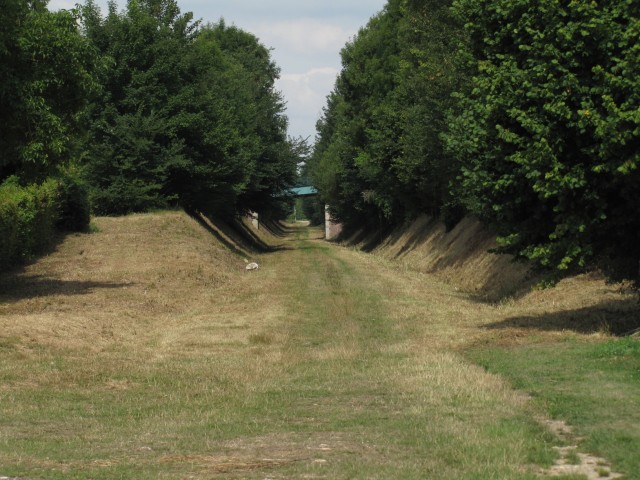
{"points": [[524, 113], [131, 110]]}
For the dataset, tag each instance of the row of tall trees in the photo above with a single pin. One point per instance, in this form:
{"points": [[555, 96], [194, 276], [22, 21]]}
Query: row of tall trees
{"points": [[154, 107], [525, 113], [186, 112], [378, 154], [136, 109]]}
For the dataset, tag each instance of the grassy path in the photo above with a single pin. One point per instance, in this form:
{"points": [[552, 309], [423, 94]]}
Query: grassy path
{"points": [[372, 366], [326, 363]]}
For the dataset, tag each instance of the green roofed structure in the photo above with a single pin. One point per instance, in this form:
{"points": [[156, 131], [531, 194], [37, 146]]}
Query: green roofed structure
{"points": [[303, 191]]}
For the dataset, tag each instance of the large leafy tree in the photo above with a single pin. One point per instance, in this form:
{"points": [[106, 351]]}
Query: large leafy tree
{"points": [[272, 156], [433, 66], [133, 145], [45, 79], [357, 134], [550, 133]]}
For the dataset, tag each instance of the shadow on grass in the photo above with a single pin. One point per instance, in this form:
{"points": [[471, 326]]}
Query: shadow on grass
{"points": [[16, 286], [235, 235], [365, 237], [616, 317], [276, 228]]}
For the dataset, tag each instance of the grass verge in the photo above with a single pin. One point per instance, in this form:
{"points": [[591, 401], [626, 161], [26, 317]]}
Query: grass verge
{"points": [[593, 385]]}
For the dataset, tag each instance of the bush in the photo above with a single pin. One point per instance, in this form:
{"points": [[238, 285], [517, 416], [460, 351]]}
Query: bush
{"points": [[30, 214], [9, 222], [27, 219]]}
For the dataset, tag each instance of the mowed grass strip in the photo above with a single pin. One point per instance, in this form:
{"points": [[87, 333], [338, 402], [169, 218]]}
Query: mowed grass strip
{"points": [[146, 351], [400, 401], [593, 384], [128, 352]]}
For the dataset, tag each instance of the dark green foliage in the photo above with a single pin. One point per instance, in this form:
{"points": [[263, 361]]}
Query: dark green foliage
{"points": [[74, 211], [32, 215], [156, 110], [187, 115], [44, 82], [274, 157], [133, 143], [46, 76], [28, 216], [541, 139], [378, 155], [357, 134], [550, 134], [433, 66], [313, 210]]}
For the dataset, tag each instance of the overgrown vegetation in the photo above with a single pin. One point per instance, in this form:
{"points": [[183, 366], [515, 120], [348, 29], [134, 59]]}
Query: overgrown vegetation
{"points": [[45, 81], [522, 113], [32, 215]]}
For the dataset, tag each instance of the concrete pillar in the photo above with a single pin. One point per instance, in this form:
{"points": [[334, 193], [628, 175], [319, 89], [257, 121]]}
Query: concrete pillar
{"points": [[332, 229], [255, 220]]}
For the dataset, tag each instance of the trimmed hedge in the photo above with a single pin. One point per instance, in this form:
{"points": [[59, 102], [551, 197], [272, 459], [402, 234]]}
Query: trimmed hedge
{"points": [[31, 215]]}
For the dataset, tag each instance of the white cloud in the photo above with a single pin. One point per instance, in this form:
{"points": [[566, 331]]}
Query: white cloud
{"points": [[306, 95], [308, 89], [303, 36], [63, 4]]}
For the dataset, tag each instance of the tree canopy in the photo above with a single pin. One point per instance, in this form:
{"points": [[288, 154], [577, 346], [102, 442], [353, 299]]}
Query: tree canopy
{"points": [[45, 80], [525, 113], [187, 114], [137, 109], [549, 137], [378, 153]]}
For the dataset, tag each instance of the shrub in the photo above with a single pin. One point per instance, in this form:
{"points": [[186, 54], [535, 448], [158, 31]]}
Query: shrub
{"points": [[30, 215], [9, 222]]}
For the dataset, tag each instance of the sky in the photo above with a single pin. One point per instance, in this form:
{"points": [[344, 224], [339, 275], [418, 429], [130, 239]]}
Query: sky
{"points": [[306, 37]]}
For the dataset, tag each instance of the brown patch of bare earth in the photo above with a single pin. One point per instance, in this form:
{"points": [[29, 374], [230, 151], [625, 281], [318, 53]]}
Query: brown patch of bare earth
{"points": [[573, 462], [264, 453]]}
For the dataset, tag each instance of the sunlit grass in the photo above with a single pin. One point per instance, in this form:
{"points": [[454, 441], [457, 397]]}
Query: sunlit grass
{"points": [[594, 386], [147, 351]]}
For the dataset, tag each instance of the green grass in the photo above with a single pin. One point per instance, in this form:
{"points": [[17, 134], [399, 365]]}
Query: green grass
{"points": [[595, 387], [322, 364], [363, 384]]}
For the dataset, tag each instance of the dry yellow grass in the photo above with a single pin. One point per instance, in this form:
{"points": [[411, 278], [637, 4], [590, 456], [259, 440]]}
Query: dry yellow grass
{"points": [[147, 351], [458, 257], [132, 281]]}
